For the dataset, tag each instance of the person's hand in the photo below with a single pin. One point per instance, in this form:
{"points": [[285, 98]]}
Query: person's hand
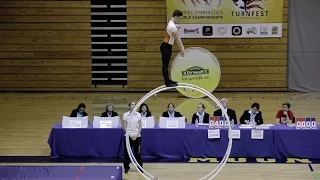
{"points": [[283, 120], [134, 137], [246, 121], [182, 52], [285, 113]]}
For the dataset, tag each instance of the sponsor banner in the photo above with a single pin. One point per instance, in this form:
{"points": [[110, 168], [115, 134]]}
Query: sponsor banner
{"points": [[225, 14], [254, 160], [198, 67], [265, 30], [169, 159], [227, 11]]}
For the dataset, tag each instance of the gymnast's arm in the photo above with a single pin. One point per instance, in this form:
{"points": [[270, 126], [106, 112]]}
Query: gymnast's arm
{"points": [[124, 123], [140, 127], [178, 39]]}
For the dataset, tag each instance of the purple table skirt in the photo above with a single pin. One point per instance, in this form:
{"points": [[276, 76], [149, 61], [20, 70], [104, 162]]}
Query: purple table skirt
{"points": [[157, 143], [296, 143]]}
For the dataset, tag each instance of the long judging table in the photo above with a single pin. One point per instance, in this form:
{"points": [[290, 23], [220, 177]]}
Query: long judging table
{"points": [[280, 141]]}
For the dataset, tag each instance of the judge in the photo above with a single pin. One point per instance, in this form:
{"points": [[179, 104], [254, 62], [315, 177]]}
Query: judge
{"points": [[109, 111], [144, 110], [285, 115], [171, 112], [231, 113], [80, 111], [252, 116], [200, 115]]}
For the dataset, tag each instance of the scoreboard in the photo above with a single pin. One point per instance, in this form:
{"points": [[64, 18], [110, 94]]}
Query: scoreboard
{"points": [[306, 123]]}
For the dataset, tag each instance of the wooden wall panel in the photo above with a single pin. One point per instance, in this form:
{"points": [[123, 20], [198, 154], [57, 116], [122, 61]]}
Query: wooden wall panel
{"points": [[45, 45], [146, 24]]}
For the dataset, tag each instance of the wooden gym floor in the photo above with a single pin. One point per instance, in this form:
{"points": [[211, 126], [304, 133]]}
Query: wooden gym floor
{"points": [[27, 118], [187, 171]]}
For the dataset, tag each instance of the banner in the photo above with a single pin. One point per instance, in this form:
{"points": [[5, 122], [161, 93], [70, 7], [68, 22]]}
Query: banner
{"points": [[228, 18], [230, 30], [199, 67]]}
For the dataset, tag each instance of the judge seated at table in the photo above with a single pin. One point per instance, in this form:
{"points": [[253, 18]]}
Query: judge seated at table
{"points": [[80, 111], [171, 112], [231, 113], [144, 110], [252, 116], [284, 115], [200, 115], [109, 111]]}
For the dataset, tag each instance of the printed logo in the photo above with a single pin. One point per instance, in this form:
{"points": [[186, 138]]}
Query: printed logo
{"points": [[246, 5], [252, 30], [196, 3], [221, 30], [195, 70], [263, 30], [236, 30], [205, 74], [274, 30], [191, 31], [207, 30]]}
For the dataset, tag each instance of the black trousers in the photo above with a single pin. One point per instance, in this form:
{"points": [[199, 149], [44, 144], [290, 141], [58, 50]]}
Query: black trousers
{"points": [[166, 51], [136, 151]]}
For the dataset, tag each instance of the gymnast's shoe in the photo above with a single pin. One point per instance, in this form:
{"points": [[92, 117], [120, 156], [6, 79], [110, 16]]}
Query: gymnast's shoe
{"points": [[171, 84], [126, 171]]}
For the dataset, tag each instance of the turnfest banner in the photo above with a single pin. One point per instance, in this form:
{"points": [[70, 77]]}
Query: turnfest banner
{"points": [[228, 18]]}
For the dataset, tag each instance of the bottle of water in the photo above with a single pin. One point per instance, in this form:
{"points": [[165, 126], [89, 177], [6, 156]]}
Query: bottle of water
{"points": [[232, 123], [197, 121]]}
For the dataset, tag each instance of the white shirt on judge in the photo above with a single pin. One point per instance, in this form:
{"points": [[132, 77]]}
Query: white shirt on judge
{"points": [[252, 117], [144, 114], [133, 123], [200, 117], [171, 114]]}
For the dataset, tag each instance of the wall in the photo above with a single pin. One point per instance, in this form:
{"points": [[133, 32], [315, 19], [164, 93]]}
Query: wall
{"points": [[146, 24], [45, 45]]}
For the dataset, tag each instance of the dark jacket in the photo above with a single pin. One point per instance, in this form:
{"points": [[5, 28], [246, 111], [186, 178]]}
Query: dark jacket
{"points": [[231, 113], [105, 114], [206, 118], [176, 114], [75, 111], [246, 116]]}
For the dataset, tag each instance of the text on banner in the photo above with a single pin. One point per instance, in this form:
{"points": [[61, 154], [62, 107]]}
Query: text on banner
{"points": [[75, 124], [144, 123], [172, 124], [105, 124], [235, 134], [257, 134], [213, 133]]}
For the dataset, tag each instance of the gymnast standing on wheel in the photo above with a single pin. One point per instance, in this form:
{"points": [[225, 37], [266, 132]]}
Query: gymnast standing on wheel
{"points": [[134, 126], [166, 47]]}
